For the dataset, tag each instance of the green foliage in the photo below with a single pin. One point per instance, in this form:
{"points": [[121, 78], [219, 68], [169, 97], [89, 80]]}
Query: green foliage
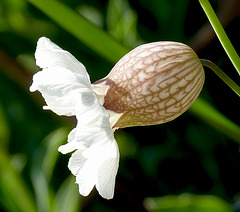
{"points": [[88, 33], [187, 203], [14, 192], [216, 119], [122, 23], [194, 154]]}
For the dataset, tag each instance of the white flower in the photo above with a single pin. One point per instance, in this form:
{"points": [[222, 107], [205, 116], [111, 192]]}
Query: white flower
{"points": [[67, 90], [152, 84]]}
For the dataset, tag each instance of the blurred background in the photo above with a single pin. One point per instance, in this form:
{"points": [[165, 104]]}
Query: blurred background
{"points": [[183, 165]]}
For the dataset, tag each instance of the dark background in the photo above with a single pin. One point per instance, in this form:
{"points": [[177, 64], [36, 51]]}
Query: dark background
{"points": [[183, 156]]}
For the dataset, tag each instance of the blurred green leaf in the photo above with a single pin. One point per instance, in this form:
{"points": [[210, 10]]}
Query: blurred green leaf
{"points": [[11, 15], [211, 116], [45, 159], [92, 14], [4, 130], [187, 203], [13, 188], [42, 190], [67, 197], [122, 22], [84, 30], [19, 161], [52, 142]]}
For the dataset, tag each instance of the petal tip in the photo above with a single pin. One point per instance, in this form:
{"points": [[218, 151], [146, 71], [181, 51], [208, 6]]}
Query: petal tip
{"points": [[32, 88], [62, 149]]}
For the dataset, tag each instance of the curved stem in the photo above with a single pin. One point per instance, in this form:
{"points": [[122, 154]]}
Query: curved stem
{"points": [[222, 75], [222, 36]]}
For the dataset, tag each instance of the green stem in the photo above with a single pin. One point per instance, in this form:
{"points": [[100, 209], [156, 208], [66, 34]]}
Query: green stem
{"points": [[221, 75], [222, 36]]}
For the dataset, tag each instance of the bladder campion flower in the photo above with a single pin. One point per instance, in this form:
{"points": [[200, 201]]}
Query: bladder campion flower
{"points": [[152, 84]]}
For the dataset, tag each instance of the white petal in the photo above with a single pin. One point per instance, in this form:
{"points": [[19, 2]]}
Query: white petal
{"points": [[72, 144], [107, 171], [96, 159], [93, 129], [50, 55], [60, 89], [89, 111], [62, 80], [86, 177], [76, 162], [98, 166], [98, 132]]}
